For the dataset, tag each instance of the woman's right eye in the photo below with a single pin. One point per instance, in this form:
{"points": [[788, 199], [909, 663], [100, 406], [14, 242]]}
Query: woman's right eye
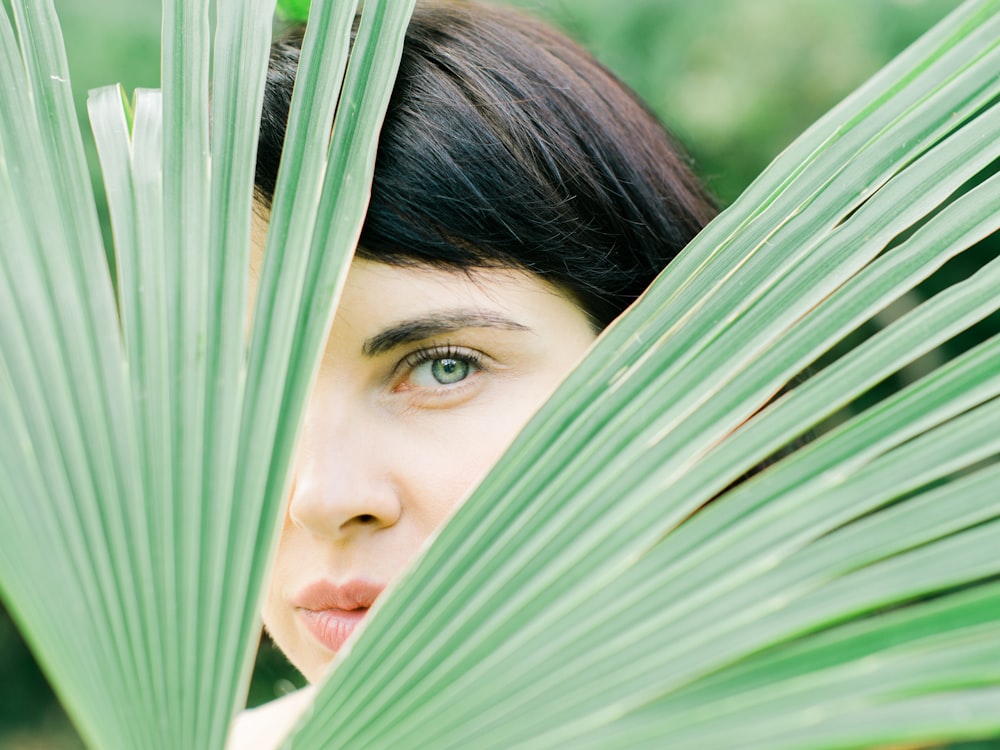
{"points": [[449, 371], [441, 368], [442, 371]]}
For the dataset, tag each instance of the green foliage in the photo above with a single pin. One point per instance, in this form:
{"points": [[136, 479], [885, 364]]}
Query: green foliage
{"points": [[293, 10], [738, 81], [585, 596], [575, 601], [161, 482]]}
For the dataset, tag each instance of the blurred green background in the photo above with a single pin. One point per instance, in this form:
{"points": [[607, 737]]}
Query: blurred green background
{"points": [[735, 80]]}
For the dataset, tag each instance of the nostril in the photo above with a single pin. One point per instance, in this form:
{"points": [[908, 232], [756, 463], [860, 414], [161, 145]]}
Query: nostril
{"points": [[366, 518]]}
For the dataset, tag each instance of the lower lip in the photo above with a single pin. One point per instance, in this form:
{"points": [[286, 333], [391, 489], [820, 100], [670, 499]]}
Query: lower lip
{"points": [[332, 627]]}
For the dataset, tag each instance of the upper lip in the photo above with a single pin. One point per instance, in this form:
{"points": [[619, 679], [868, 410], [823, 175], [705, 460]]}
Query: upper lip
{"points": [[326, 595]]}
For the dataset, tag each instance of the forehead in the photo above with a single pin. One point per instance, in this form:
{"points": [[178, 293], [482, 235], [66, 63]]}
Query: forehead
{"points": [[377, 295]]}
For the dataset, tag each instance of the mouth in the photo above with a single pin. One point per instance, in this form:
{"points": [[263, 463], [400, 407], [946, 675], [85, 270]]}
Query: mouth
{"points": [[331, 612], [332, 627]]}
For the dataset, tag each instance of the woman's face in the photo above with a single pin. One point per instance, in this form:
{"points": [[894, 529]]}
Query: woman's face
{"points": [[426, 378]]}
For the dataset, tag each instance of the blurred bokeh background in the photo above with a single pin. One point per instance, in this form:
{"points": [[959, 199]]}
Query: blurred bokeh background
{"points": [[735, 80]]}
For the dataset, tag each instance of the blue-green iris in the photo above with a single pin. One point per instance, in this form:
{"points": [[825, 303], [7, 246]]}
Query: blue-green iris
{"points": [[448, 371]]}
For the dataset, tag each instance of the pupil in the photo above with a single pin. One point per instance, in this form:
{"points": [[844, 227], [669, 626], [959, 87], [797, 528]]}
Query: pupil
{"points": [[447, 371]]}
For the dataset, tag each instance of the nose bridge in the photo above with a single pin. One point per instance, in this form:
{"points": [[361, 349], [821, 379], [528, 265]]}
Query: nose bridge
{"points": [[342, 480]]}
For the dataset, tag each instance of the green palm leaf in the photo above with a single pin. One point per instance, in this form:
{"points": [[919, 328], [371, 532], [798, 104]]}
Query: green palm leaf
{"points": [[575, 601], [150, 513], [583, 597]]}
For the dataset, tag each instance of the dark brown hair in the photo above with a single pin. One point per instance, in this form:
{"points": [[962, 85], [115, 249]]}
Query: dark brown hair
{"points": [[506, 144]]}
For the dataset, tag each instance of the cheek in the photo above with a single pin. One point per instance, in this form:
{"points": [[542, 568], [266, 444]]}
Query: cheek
{"points": [[287, 568], [294, 565], [449, 454]]}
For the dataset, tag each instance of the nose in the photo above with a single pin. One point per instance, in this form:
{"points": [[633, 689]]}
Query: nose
{"points": [[343, 489]]}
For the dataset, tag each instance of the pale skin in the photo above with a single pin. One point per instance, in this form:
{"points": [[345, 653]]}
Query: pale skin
{"points": [[427, 376]]}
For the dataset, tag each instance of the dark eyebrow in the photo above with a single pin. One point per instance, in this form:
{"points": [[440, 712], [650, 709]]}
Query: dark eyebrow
{"points": [[435, 324]]}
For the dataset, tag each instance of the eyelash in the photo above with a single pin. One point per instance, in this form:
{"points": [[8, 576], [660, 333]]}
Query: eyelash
{"points": [[445, 351]]}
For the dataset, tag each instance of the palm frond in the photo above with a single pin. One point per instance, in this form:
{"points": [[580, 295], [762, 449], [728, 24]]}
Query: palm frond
{"points": [[143, 511], [612, 583], [581, 598]]}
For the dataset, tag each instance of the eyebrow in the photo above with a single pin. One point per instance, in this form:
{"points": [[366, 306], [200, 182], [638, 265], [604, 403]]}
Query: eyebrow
{"points": [[435, 324]]}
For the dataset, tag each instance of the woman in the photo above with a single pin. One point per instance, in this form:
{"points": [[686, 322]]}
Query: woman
{"points": [[522, 199]]}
